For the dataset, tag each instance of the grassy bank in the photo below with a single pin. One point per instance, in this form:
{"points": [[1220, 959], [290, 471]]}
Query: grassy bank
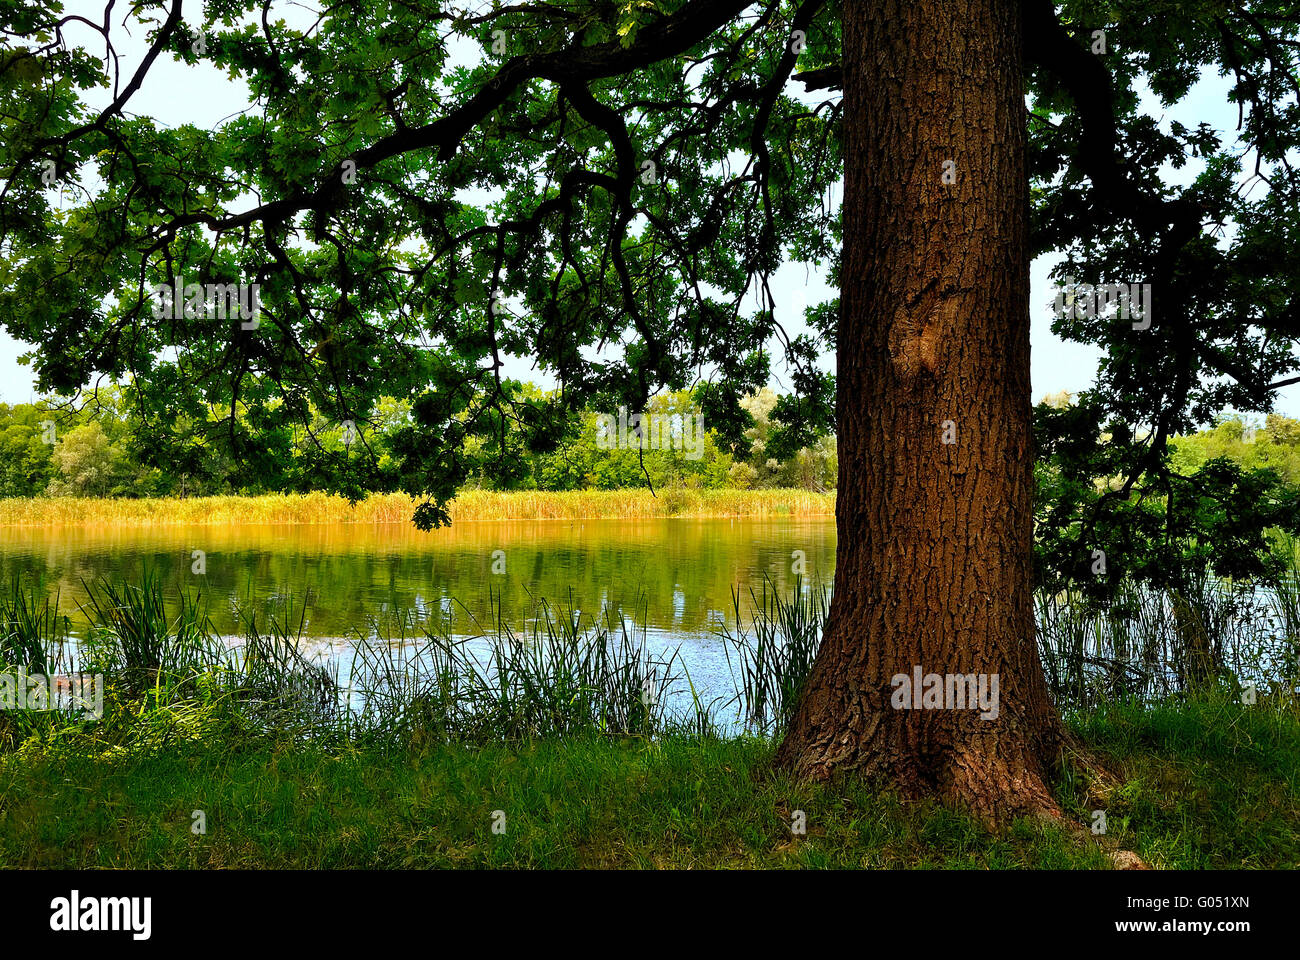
{"points": [[397, 508], [565, 729], [1202, 786]]}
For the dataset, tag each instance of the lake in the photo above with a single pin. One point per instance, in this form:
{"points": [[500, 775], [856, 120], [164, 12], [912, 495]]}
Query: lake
{"points": [[673, 576]]}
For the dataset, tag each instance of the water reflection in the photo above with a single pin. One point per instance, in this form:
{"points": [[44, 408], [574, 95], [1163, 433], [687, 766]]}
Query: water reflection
{"points": [[676, 575]]}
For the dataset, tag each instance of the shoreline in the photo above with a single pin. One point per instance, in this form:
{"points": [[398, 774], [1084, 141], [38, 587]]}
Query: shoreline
{"points": [[470, 506]]}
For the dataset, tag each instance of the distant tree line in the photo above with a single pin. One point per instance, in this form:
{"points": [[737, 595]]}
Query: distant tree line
{"points": [[93, 449]]}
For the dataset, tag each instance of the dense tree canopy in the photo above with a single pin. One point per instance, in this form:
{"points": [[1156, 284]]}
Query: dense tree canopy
{"points": [[638, 173], [420, 189]]}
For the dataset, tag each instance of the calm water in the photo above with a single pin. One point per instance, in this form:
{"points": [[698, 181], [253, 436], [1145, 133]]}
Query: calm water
{"points": [[673, 574], [675, 577]]}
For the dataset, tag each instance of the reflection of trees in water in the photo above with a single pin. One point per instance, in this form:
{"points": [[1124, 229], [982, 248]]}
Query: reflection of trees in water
{"points": [[669, 573]]}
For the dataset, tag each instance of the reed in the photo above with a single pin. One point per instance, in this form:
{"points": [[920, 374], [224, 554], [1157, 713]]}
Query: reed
{"points": [[773, 661], [140, 636], [566, 675], [279, 689], [470, 505], [1285, 615], [33, 635], [172, 678]]}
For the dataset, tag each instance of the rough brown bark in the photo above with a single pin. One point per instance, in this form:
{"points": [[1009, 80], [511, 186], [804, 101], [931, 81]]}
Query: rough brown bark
{"points": [[934, 554]]}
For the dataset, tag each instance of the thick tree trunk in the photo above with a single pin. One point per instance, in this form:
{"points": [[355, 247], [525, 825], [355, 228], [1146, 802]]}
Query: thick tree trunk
{"points": [[934, 512]]}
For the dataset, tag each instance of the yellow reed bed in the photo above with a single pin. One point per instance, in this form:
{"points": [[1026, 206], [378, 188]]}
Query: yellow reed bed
{"points": [[397, 508]]}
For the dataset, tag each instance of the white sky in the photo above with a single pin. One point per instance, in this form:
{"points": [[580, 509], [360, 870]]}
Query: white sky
{"points": [[176, 93]]}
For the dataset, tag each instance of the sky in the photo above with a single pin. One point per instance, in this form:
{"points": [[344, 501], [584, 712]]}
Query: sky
{"points": [[176, 93]]}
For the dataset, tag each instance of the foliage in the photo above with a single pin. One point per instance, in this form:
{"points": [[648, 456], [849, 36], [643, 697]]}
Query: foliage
{"points": [[605, 189], [414, 221], [87, 465], [1275, 446], [1098, 529], [25, 462], [91, 451]]}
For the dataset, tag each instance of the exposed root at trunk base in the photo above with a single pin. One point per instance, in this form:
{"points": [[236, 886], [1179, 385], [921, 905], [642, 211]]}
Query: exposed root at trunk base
{"points": [[1102, 780], [992, 788], [1121, 858]]}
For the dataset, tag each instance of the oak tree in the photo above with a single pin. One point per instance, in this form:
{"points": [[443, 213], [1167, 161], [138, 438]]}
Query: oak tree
{"points": [[421, 189]]}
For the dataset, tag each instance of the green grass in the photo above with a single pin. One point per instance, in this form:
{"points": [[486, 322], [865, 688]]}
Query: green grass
{"points": [[577, 804], [1202, 786], [561, 728], [1208, 784]]}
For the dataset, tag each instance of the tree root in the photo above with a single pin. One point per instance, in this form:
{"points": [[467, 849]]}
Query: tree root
{"points": [[1121, 858], [1103, 780]]}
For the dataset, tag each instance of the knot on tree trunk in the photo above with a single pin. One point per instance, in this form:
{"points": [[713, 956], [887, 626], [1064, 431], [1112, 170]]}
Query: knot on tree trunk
{"points": [[917, 338]]}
